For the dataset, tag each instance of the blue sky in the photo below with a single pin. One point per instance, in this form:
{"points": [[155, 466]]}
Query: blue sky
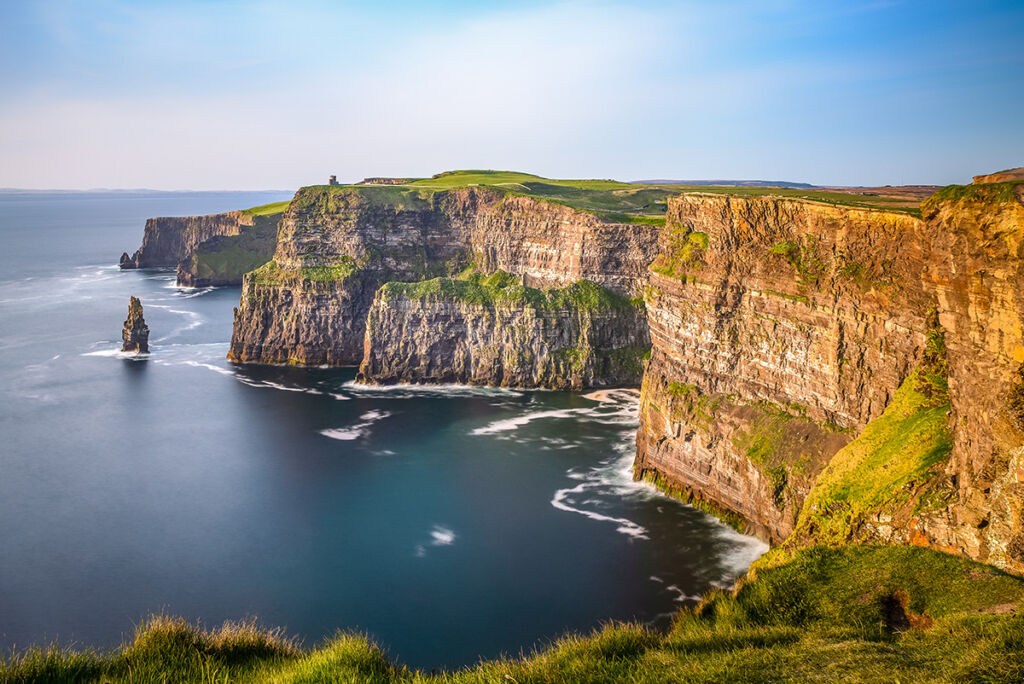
{"points": [[245, 95]]}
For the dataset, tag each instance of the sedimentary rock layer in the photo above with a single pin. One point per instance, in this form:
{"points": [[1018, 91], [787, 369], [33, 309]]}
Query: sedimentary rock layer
{"points": [[337, 245], [502, 334], [224, 259], [814, 310], [763, 308], [169, 240]]}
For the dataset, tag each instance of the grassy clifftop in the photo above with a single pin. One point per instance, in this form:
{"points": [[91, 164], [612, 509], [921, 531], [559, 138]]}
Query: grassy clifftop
{"points": [[859, 614], [611, 200]]}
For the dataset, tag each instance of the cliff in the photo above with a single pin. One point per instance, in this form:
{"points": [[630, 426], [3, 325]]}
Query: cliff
{"points": [[224, 259], [494, 331], [135, 332], [168, 240], [782, 330], [217, 249], [338, 245], [779, 328]]}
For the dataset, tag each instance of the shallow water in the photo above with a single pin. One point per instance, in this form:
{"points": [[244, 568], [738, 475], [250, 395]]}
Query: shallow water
{"points": [[449, 523]]}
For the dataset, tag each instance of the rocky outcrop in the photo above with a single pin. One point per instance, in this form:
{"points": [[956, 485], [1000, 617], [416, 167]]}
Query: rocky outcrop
{"points": [[977, 275], [169, 240], [781, 329], [1008, 175], [338, 245], [494, 331], [224, 259], [135, 332], [777, 317]]}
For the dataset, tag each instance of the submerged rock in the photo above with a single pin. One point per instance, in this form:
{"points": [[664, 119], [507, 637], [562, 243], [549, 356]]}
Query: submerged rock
{"points": [[136, 332]]}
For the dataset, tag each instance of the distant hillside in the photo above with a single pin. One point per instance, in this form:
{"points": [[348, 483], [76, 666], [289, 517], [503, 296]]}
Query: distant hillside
{"points": [[730, 183]]}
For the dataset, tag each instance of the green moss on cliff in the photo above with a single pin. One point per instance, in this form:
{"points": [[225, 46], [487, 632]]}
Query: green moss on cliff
{"points": [[987, 193], [272, 275], [267, 209], [881, 470], [501, 288], [860, 614]]}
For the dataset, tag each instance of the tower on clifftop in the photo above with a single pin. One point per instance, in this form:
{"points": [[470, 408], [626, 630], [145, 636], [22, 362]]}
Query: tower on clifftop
{"points": [[333, 180]]}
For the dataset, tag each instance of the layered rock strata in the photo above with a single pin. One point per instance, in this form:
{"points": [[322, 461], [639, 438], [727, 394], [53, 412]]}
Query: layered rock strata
{"points": [[225, 259], [782, 320], [169, 240], [782, 328], [135, 333], [496, 332], [338, 245]]}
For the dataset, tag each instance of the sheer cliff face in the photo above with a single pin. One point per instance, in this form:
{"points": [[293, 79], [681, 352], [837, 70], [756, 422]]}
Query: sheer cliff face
{"points": [[978, 279], [773, 319], [168, 241], [780, 329], [337, 246], [445, 335]]}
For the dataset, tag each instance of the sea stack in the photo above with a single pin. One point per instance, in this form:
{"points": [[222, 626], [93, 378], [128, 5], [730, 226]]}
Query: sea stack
{"points": [[136, 332]]}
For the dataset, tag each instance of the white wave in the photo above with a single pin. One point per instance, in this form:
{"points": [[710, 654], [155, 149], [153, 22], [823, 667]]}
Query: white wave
{"points": [[513, 423], [357, 430], [118, 354], [344, 434], [442, 536], [409, 390], [682, 596], [210, 366], [194, 321], [439, 536], [625, 526]]}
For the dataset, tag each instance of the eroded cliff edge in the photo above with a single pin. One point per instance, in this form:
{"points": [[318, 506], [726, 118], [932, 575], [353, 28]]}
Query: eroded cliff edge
{"points": [[817, 374], [851, 375], [338, 245], [217, 249], [494, 331]]}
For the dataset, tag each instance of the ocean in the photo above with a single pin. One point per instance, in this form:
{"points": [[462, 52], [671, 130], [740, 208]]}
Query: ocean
{"points": [[448, 523]]}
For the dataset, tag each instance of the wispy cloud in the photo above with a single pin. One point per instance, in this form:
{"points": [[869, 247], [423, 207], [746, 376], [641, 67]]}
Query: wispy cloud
{"points": [[255, 94]]}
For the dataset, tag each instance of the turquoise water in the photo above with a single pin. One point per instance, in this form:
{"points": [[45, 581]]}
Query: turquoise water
{"points": [[450, 523]]}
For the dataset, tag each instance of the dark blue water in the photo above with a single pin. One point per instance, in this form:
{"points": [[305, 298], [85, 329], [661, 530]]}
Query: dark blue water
{"points": [[450, 524]]}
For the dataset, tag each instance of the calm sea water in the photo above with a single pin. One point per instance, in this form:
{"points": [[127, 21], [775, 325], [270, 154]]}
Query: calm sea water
{"points": [[450, 524]]}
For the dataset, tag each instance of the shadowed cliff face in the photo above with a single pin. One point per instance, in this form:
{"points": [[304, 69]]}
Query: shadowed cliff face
{"points": [[337, 246], [495, 332], [168, 241]]}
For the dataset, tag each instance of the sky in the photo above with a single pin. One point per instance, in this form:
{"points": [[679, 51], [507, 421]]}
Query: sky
{"points": [[247, 94]]}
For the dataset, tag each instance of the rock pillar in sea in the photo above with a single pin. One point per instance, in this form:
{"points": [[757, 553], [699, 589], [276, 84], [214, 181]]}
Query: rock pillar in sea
{"points": [[136, 332]]}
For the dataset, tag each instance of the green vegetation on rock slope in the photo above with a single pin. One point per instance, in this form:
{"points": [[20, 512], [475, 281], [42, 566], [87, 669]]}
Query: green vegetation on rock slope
{"points": [[610, 200], [858, 614], [472, 287], [225, 258]]}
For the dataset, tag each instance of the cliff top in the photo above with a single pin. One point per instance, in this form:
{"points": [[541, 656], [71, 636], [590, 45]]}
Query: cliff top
{"points": [[1016, 174], [612, 200]]}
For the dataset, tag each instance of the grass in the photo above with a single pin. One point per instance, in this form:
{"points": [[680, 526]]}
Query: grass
{"points": [[611, 201], [860, 614], [268, 209], [272, 275], [882, 469], [987, 193], [228, 257], [501, 288]]}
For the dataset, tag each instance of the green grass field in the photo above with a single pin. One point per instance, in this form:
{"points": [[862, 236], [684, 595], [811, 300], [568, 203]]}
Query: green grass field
{"points": [[857, 614], [613, 201], [267, 209]]}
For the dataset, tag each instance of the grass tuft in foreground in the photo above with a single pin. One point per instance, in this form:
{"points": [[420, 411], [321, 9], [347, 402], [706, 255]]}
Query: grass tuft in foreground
{"points": [[858, 614]]}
